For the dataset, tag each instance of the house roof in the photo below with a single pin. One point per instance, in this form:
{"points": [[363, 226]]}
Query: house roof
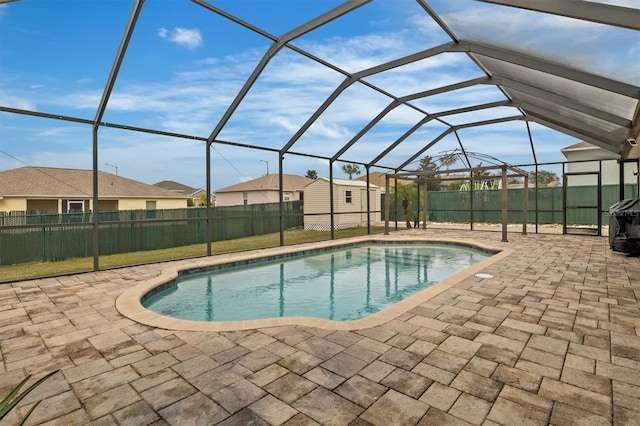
{"points": [[345, 182], [378, 178], [74, 183], [268, 183], [176, 187], [596, 152]]}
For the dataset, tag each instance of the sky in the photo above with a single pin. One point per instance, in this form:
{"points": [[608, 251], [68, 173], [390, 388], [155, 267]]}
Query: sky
{"points": [[185, 65]]}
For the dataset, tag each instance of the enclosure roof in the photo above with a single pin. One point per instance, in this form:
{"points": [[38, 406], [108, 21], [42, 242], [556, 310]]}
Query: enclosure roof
{"points": [[502, 79]]}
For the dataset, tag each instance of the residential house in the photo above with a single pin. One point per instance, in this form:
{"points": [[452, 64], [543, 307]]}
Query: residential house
{"points": [[349, 204], [56, 190], [379, 179], [194, 194], [584, 157], [262, 190]]}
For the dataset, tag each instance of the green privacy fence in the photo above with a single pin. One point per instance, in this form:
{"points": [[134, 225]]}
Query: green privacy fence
{"points": [[50, 237], [455, 206], [44, 237]]}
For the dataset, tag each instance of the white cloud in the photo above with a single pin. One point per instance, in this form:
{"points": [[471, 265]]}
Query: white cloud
{"points": [[16, 101], [189, 38]]}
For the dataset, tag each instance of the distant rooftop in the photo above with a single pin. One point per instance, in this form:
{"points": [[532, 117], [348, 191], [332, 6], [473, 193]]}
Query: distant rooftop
{"points": [[58, 182]]}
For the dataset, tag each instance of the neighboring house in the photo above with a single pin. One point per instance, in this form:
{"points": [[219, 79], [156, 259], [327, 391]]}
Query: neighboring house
{"points": [[349, 204], [610, 167], [379, 179], [262, 190], [53, 190], [193, 193]]}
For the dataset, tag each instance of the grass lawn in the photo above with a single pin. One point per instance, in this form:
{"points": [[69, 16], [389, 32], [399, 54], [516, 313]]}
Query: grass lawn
{"points": [[71, 266]]}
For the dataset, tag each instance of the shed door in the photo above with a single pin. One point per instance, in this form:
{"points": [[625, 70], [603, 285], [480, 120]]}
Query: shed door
{"points": [[363, 205]]}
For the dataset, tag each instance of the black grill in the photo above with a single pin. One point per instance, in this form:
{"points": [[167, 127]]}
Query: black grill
{"points": [[624, 226]]}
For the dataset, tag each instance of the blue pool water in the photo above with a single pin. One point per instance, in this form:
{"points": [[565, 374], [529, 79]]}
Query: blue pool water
{"points": [[342, 284]]}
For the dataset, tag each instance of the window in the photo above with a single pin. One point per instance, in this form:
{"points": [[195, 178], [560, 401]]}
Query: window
{"points": [[245, 198], [151, 209], [347, 197], [75, 206]]}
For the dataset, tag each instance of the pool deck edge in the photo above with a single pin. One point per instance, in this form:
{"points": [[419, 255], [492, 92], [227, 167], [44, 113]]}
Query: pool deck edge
{"points": [[129, 303]]}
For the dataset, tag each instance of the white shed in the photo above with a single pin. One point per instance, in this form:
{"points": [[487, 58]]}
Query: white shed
{"points": [[349, 204]]}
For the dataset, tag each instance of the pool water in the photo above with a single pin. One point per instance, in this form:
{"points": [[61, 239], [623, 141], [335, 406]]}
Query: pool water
{"points": [[341, 284]]}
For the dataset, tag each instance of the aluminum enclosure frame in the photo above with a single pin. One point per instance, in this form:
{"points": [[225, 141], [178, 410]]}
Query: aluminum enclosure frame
{"points": [[480, 53]]}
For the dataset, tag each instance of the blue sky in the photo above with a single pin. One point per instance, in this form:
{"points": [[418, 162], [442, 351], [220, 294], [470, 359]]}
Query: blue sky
{"points": [[185, 65]]}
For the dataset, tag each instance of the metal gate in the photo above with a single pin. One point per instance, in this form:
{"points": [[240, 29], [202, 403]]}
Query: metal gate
{"points": [[582, 203]]}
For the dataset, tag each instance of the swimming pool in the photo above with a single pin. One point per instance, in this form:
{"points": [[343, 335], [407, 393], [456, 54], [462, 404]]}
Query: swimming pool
{"points": [[341, 283]]}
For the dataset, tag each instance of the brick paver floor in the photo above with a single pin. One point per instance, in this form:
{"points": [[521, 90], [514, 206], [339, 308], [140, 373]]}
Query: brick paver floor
{"points": [[552, 338]]}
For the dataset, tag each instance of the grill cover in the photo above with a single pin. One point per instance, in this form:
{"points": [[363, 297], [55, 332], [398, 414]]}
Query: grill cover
{"points": [[624, 226]]}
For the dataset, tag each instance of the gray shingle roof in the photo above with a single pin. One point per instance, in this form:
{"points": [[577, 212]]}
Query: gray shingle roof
{"points": [[270, 183], [55, 182], [176, 187]]}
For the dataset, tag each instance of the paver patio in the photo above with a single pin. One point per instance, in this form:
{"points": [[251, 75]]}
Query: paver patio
{"points": [[552, 338]]}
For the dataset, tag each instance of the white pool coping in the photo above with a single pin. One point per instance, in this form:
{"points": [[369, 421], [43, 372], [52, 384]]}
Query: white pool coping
{"points": [[130, 305]]}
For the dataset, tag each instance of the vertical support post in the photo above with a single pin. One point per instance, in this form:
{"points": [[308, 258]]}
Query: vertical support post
{"points": [[525, 205], [471, 201], [535, 160], [417, 217], [386, 204], [111, 81], [209, 221], [95, 221], [621, 180], [599, 203], [281, 197], [564, 200], [638, 177], [395, 203], [535, 188], [368, 203], [331, 219], [425, 206], [505, 216]]}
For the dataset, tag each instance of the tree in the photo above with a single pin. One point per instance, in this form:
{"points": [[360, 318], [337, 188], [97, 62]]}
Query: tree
{"points": [[448, 160], [351, 169], [311, 174], [478, 171], [202, 200], [432, 180], [543, 178], [409, 196]]}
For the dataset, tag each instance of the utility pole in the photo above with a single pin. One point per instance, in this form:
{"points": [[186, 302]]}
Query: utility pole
{"points": [[265, 161], [115, 167]]}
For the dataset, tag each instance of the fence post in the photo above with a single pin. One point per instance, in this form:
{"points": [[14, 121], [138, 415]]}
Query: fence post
{"points": [[504, 204], [525, 205], [44, 239]]}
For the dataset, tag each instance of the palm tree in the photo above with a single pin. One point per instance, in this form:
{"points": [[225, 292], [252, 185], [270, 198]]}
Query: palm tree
{"points": [[351, 169], [311, 174]]}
